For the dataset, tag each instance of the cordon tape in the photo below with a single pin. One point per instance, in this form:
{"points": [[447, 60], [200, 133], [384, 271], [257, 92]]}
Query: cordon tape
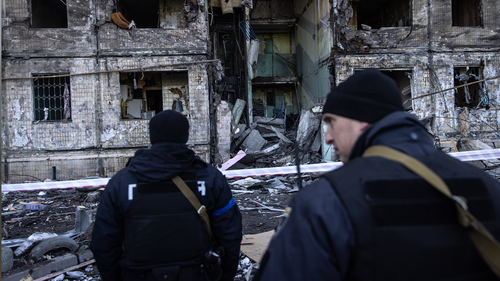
{"points": [[311, 168]]}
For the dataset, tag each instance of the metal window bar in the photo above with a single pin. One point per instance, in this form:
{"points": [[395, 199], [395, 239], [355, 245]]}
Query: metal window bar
{"points": [[247, 30], [50, 102]]}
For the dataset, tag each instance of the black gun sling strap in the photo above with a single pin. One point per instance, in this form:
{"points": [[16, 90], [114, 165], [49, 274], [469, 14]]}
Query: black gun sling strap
{"points": [[201, 209], [486, 244]]}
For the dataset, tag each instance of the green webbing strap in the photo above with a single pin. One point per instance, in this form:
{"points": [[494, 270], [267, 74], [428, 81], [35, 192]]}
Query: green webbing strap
{"points": [[202, 211], [485, 243]]}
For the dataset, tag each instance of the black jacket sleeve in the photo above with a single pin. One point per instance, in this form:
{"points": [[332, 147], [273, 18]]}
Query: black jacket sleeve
{"points": [[313, 242], [107, 235], [225, 220]]}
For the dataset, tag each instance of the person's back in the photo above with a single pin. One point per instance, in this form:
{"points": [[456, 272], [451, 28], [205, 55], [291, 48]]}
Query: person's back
{"points": [[373, 219], [146, 228]]}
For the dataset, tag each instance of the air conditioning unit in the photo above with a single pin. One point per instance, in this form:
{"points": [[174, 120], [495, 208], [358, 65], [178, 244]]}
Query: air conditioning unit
{"points": [[148, 114]]}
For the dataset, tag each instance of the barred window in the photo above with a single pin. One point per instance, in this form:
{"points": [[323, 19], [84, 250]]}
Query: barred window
{"points": [[52, 99]]}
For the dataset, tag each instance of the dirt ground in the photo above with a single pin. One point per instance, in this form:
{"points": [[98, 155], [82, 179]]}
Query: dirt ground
{"points": [[261, 211]]}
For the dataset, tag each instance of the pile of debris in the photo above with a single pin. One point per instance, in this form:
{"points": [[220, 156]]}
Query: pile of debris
{"points": [[274, 142]]}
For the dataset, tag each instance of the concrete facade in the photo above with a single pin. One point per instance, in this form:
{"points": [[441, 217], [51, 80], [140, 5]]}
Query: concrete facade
{"points": [[194, 54], [96, 140], [429, 51]]}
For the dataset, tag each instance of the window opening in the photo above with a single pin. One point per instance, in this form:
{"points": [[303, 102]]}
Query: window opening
{"points": [[153, 92], [49, 14], [466, 13], [51, 98], [144, 13], [402, 79], [471, 96], [383, 13]]}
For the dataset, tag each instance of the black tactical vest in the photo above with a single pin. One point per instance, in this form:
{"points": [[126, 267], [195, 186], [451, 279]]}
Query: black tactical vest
{"points": [[161, 225], [405, 229]]}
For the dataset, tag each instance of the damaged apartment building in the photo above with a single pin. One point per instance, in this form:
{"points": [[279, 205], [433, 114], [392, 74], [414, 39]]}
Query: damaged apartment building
{"points": [[82, 78]]}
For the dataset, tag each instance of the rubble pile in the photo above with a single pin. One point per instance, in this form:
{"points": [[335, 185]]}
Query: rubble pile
{"points": [[272, 142]]}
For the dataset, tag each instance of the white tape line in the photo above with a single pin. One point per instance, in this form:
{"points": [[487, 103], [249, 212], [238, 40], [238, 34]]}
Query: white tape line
{"points": [[477, 155], [312, 168], [54, 185]]}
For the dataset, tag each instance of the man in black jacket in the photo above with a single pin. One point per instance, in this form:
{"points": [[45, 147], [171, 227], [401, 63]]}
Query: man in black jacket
{"points": [[146, 229], [374, 219]]}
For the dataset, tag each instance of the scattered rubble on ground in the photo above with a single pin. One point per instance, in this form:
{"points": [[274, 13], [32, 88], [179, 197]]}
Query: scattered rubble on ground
{"points": [[67, 215]]}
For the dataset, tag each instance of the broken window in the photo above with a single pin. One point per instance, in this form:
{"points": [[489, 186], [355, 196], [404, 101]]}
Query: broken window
{"points": [[51, 98], [402, 79], [471, 96], [165, 14], [143, 13], [144, 94], [49, 14], [382, 13], [466, 13]]}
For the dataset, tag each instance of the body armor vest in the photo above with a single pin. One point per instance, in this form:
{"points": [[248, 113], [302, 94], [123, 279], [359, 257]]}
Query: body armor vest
{"points": [[161, 225], [405, 229]]}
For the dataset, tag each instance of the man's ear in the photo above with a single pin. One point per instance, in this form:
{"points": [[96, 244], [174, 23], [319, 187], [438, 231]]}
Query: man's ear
{"points": [[364, 126]]}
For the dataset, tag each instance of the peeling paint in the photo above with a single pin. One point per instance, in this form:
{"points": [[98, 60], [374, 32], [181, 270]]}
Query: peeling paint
{"points": [[21, 138], [17, 113], [108, 134]]}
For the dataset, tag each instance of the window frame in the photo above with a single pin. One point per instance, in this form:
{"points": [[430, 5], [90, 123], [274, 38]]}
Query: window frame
{"points": [[53, 96]]}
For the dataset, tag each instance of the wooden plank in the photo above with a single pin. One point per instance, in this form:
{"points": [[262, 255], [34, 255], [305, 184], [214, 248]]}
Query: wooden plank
{"points": [[65, 270], [454, 145]]}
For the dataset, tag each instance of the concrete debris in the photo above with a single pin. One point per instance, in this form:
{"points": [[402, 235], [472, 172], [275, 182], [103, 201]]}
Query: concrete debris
{"points": [[254, 142], [269, 142], [75, 274], [269, 121], [276, 184], [245, 183], [308, 127], [239, 130], [316, 144], [268, 129], [366, 27], [238, 109], [270, 149]]}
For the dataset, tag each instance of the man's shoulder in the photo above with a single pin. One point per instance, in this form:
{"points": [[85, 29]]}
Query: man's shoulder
{"points": [[318, 190]]}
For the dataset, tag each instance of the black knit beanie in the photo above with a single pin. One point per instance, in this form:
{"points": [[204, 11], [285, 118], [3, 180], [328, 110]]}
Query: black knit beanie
{"points": [[169, 126], [368, 96]]}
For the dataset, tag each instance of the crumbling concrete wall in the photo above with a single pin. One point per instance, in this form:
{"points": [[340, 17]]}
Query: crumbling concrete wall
{"points": [[19, 126], [430, 50], [96, 141], [223, 123]]}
